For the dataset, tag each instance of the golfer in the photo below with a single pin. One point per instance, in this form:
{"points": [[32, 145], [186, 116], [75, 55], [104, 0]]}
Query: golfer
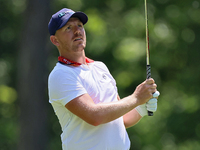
{"points": [[84, 95]]}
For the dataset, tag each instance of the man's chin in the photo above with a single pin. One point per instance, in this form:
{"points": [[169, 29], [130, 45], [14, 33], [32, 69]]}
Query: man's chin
{"points": [[79, 48]]}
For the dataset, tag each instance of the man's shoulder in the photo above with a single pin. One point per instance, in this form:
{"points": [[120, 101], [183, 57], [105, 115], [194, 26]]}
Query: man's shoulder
{"points": [[59, 70], [57, 67], [99, 63]]}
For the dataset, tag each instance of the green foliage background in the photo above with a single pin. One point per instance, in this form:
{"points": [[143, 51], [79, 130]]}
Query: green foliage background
{"points": [[116, 36]]}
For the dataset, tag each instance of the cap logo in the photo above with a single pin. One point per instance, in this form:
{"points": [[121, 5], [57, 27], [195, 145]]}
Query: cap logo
{"points": [[64, 13]]}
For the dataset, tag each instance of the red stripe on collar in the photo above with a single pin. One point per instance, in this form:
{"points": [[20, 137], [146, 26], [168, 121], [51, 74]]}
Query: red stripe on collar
{"points": [[73, 63]]}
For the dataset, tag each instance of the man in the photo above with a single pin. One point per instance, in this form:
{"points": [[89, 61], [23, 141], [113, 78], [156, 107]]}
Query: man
{"points": [[84, 95]]}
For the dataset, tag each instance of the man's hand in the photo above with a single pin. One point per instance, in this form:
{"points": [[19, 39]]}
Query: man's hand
{"points": [[151, 105], [143, 92]]}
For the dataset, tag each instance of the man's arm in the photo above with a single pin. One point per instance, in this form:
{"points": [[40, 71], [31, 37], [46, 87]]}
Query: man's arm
{"points": [[131, 118], [96, 114]]}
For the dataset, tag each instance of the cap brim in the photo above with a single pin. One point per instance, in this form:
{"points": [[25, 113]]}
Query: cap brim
{"points": [[82, 16]]}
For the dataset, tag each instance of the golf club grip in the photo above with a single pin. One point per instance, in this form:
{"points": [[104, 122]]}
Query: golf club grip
{"points": [[149, 76]]}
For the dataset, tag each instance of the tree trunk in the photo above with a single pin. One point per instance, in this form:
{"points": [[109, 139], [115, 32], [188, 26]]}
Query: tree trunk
{"points": [[32, 77]]}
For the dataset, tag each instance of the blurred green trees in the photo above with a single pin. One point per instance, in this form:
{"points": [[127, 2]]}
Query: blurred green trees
{"points": [[116, 36]]}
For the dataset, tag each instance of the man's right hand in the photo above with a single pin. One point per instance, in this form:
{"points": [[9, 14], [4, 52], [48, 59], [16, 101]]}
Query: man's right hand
{"points": [[144, 92]]}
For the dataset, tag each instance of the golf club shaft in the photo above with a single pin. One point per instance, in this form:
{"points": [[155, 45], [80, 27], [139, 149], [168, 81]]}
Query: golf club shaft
{"points": [[148, 69]]}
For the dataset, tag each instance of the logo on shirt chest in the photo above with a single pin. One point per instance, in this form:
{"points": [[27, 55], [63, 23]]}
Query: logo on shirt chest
{"points": [[104, 76]]}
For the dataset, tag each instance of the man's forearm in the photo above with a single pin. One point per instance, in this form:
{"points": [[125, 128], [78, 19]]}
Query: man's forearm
{"points": [[131, 118]]}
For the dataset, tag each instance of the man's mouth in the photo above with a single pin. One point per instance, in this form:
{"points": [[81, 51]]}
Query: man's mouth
{"points": [[77, 39]]}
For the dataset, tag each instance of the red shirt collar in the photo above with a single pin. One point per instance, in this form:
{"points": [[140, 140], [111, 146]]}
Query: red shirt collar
{"points": [[73, 63]]}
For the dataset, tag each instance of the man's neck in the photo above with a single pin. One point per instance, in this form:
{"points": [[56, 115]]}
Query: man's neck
{"points": [[78, 57]]}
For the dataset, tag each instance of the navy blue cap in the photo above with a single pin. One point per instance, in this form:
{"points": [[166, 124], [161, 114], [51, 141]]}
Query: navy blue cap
{"points": [[59, 19]]}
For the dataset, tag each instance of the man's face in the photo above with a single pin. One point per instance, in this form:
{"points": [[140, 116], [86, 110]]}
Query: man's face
{"points": [[71, 37]]}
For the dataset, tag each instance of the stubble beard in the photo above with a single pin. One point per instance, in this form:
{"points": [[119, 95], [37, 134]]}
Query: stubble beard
{"points": [[80, 47]]}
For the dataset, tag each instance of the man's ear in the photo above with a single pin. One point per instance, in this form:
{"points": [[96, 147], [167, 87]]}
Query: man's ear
{"points": [[54, 40]]}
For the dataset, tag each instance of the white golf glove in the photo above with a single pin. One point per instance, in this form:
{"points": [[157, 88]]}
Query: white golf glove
{"points": [[151, 105]]}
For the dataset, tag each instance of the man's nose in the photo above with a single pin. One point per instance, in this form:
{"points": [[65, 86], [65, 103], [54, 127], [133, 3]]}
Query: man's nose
{"points": [[77, 30]]}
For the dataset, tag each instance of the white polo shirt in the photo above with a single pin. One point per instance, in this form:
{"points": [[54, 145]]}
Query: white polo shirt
{"points": [[68, 82]]}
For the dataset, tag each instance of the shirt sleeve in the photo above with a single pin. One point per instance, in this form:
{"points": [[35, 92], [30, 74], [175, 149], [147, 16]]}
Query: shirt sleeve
{"points": [[64, 86]]}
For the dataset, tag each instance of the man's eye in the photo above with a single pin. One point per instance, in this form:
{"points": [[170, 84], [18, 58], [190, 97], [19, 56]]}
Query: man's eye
{"points": [[68, 28], [80, 25]]}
